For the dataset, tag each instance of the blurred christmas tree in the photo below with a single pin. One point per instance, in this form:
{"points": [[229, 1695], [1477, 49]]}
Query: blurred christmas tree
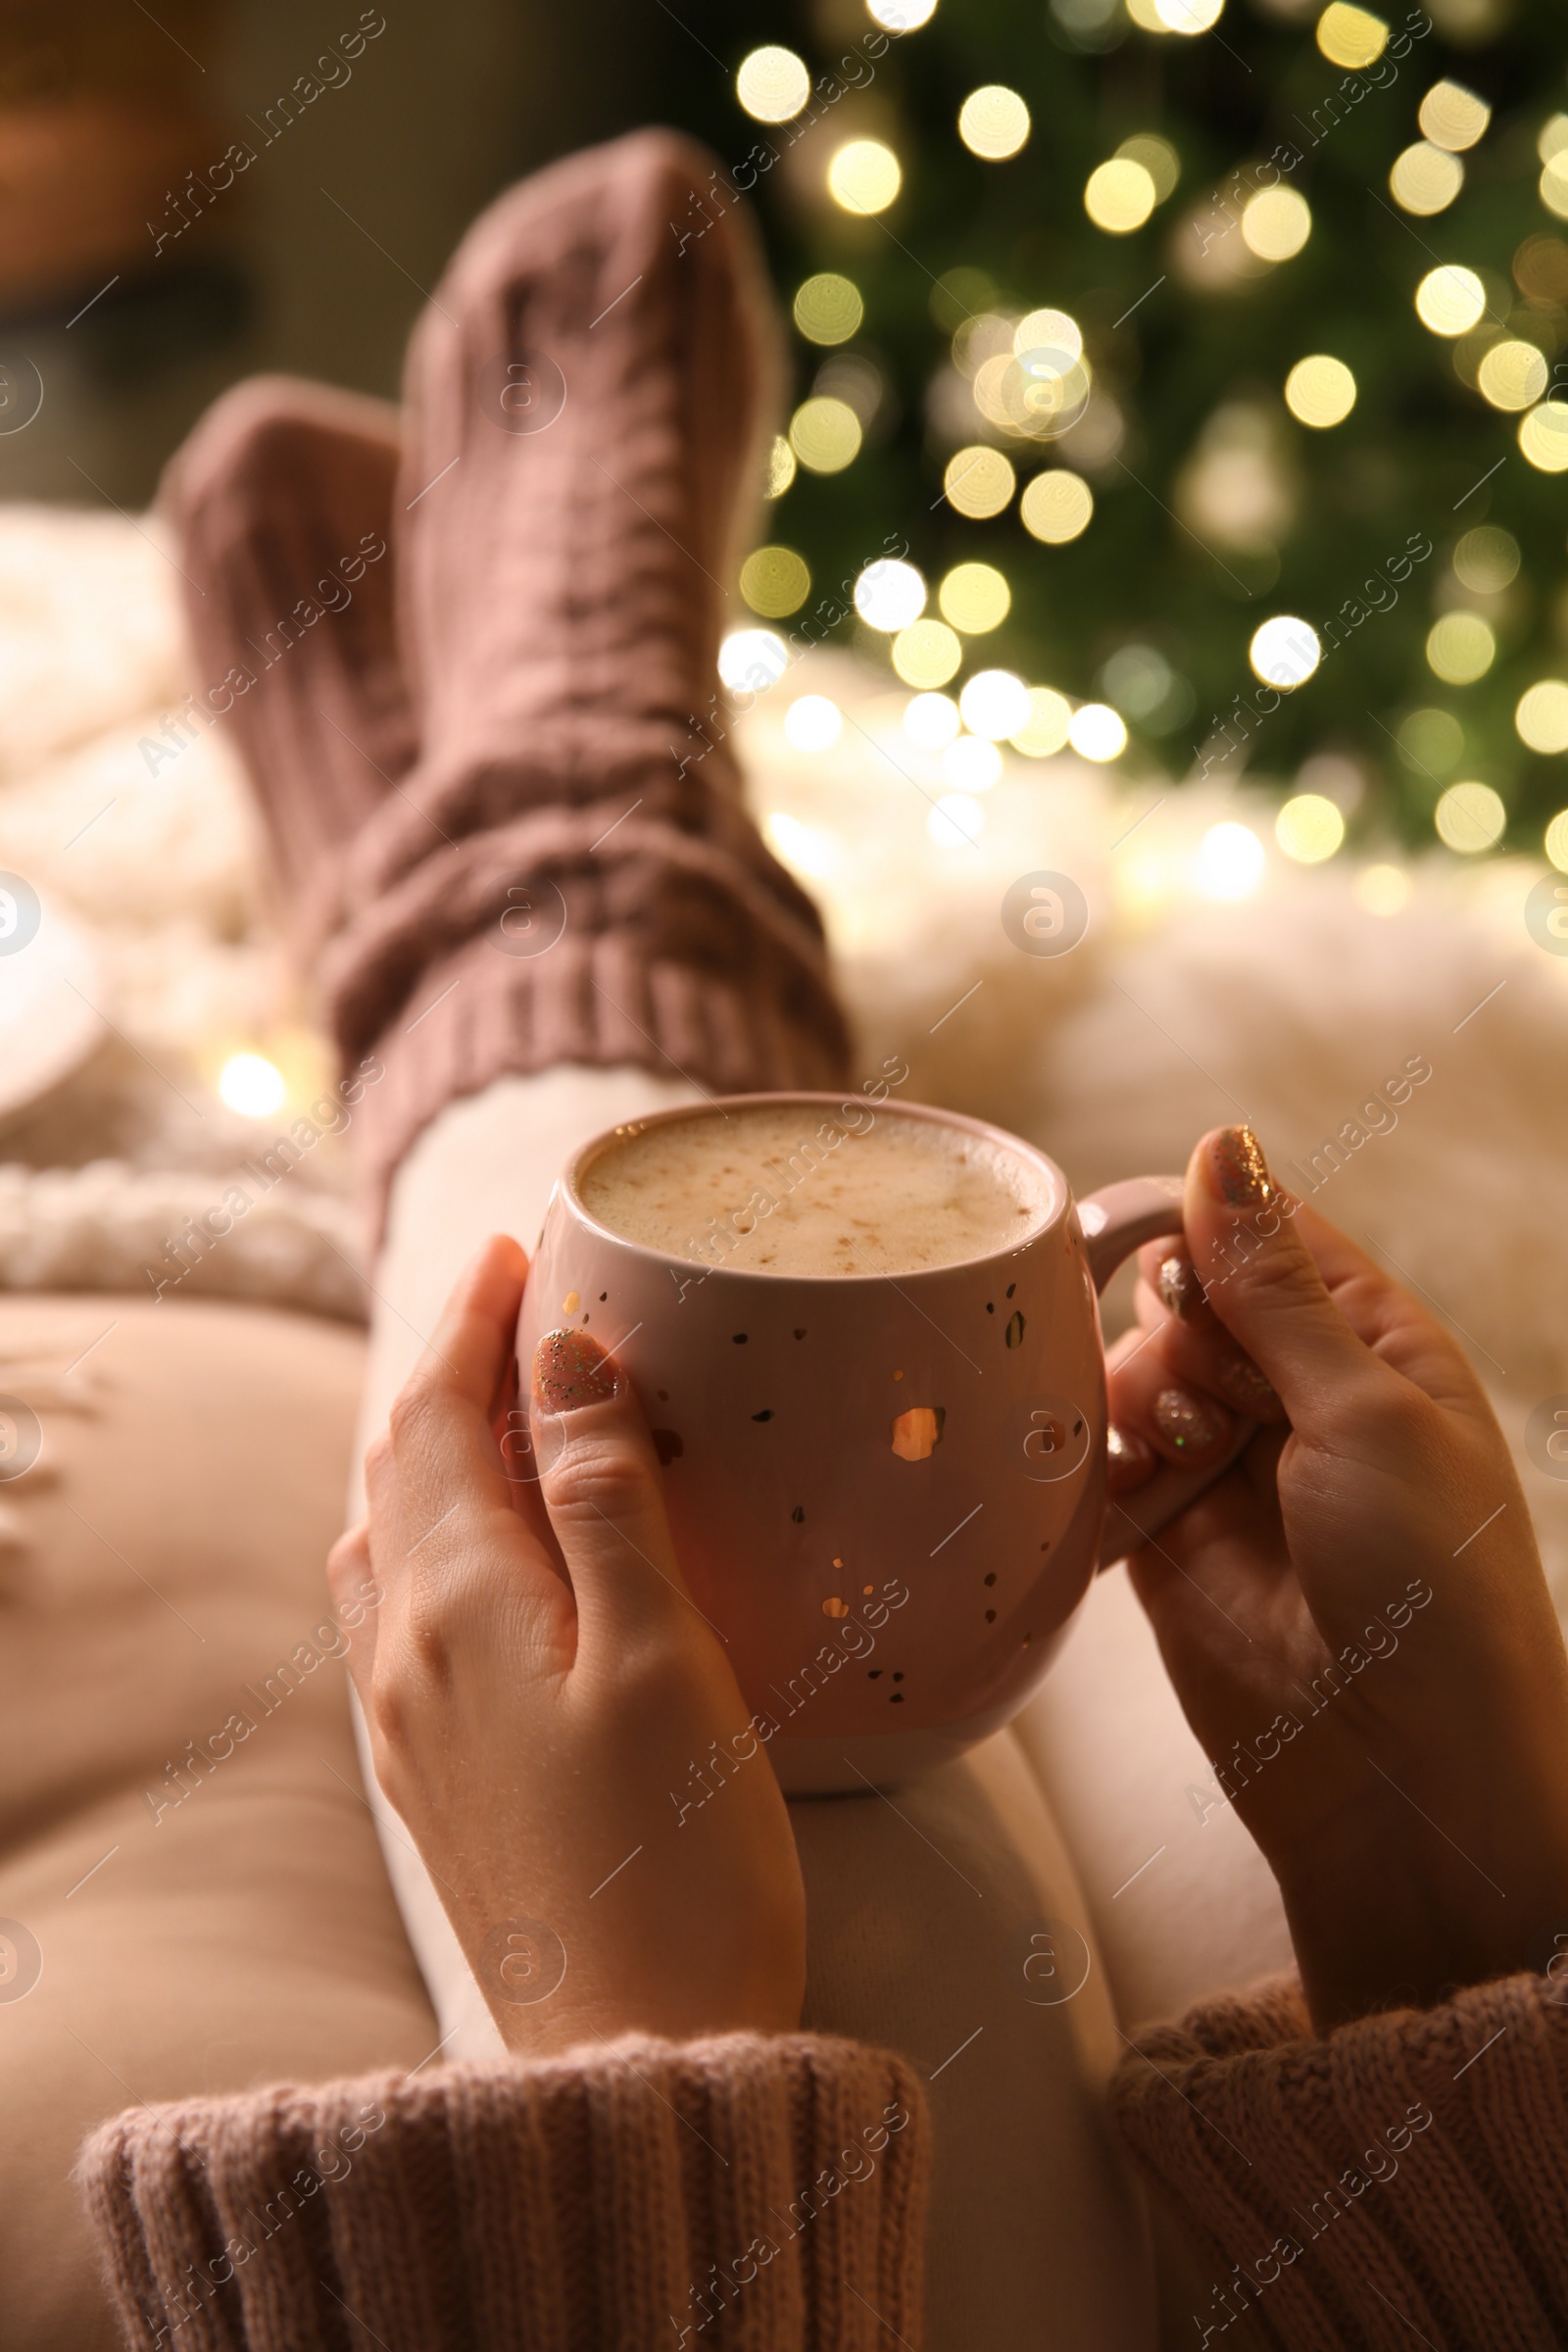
{"points": [[1153, 324]]}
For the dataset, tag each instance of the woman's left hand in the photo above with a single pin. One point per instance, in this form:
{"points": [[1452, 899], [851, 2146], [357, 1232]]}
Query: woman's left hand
{"points": [[536, 1707]]}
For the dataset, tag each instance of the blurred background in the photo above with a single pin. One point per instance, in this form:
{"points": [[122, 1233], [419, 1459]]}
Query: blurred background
{"points": [[1162, 336]]}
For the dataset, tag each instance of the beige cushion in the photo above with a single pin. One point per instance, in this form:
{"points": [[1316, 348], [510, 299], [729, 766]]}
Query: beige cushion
{"points": [[166, 1551]]}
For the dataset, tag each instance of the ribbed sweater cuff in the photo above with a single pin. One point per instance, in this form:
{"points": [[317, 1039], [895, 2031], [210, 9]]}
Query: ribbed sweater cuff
{"points": [[1404, 2181], [744, 2192]]}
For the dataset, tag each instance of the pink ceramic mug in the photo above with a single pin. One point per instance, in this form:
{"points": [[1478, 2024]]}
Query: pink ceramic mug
{"points": [[887, 1494]]}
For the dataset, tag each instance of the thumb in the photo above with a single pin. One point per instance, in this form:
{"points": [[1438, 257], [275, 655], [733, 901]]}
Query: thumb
{"points": [[1259, 1276]]}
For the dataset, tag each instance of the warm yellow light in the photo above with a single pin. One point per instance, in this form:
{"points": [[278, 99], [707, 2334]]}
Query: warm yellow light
{"points": [[928, 653], [813, 722], [828, 309], [864, 176], [1556, 840], [1049, 724], [1097, 732], [1158, 158], [1449, 300], [1461, 648], [1189, 16], [1544, 437], [780, 467], [1542, 716], [970, 763], [1453, 117], [1285, 652], [978, 481], [803, 847], [931, 721], [974, 598], [1553, 185], [890, 595], [1553, 138], [825, 434], [1432, 741], [1230, 861], [251, 1085], [1275, 223], [993, 123], [1121, 196], [1486, 559], [1320, 391], [995, 704], [1512, 375], [1049, 340], [1470, 819], [957, 819], [1056, 506], [1424, 179], [900, 16], [1351, 36], [751, 660], [1309, 828], [773, 85], [1382, 889], [775, 580]]}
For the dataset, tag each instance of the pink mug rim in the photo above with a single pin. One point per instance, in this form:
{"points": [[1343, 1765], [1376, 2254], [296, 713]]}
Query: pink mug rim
{"points": [[932, 1111]]}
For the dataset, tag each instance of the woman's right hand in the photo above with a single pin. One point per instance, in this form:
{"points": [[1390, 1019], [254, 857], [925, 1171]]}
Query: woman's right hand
{"points": [[1354, 1617]]}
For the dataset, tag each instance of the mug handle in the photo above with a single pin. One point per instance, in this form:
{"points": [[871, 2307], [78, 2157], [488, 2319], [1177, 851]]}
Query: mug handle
{"points": [[1117, 1220]]}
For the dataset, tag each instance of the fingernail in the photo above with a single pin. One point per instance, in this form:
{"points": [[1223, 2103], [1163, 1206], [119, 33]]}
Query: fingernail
{"points": [[1182, 1422], [1242, 1385], [1128, 1460], [1180, 1288], [570, 1369], [1237, 1169]]}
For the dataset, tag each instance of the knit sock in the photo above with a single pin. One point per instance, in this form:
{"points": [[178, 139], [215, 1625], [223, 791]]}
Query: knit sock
{"points": [[280, 503], [567, 873]]}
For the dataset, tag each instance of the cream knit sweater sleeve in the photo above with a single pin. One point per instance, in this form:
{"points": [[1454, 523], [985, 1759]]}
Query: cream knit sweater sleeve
{"points": [[761, 2193]]}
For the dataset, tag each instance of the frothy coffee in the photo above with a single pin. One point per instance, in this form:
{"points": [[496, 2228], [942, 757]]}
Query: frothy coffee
{"points": [[782, 1189]]}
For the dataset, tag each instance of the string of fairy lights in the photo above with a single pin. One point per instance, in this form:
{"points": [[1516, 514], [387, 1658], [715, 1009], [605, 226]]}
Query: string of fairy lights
{"points": [[1033, 421]]}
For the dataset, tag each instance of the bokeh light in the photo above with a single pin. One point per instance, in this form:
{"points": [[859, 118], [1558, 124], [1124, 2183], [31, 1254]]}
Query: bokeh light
{"points": [[995, 704], [1309, 828], [1382, 889], [751, 660], [1424, 179], [1430, 741], [928, 653], [978, 481], [1449, 300], [1556, 840], [774, 581], [1351, 37], [900, 16], [825, 434], [813, 722], [1285, 652], [993, 123], [1553, 185], [828, 308], [957, 820], [974, 598], [1119, 196], [1461, 648], [1189, 16], [890, 594], [971, 763], [1542, 715], [1230, 861], [1543, 436], [1320, 391], [1098, 732], [1512, 375], [1275, 223], [773, 85], [1486, 559], [1157, 157], [1048, 340], [931, 721], [1056, 506], [1049, 723], [1470, 819], [864, 176], [780, 467], [251, 1085], [1452, 117]]}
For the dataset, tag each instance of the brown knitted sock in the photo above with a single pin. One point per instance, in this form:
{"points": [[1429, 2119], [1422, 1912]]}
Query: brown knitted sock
{"points": [[281, 504], [561, 879]]}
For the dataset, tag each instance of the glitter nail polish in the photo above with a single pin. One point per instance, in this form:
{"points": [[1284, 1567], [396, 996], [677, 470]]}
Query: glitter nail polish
{"points": [[1179, 1286], [1182, 1421], [570, 1369], [1239, 1169], [1242, 1385]]}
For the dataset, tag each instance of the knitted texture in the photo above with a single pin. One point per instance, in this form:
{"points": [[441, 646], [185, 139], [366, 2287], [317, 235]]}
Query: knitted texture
{"points": [[281, 504], [568, 871], [1403, 2182], [757, 2195]]}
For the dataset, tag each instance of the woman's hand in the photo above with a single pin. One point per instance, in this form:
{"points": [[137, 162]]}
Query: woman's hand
{"points": [[537, 1697], [1354, 1617]]}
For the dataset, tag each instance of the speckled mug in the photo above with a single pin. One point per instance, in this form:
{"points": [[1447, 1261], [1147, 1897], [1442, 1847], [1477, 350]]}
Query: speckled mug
{"points": [[887, 1494]]}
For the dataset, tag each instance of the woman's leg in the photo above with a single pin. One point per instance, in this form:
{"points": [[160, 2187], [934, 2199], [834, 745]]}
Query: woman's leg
{"points": [[560, 599]]}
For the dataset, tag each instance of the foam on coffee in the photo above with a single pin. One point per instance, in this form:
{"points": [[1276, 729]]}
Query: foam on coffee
{"points": [[790, 1188]]}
